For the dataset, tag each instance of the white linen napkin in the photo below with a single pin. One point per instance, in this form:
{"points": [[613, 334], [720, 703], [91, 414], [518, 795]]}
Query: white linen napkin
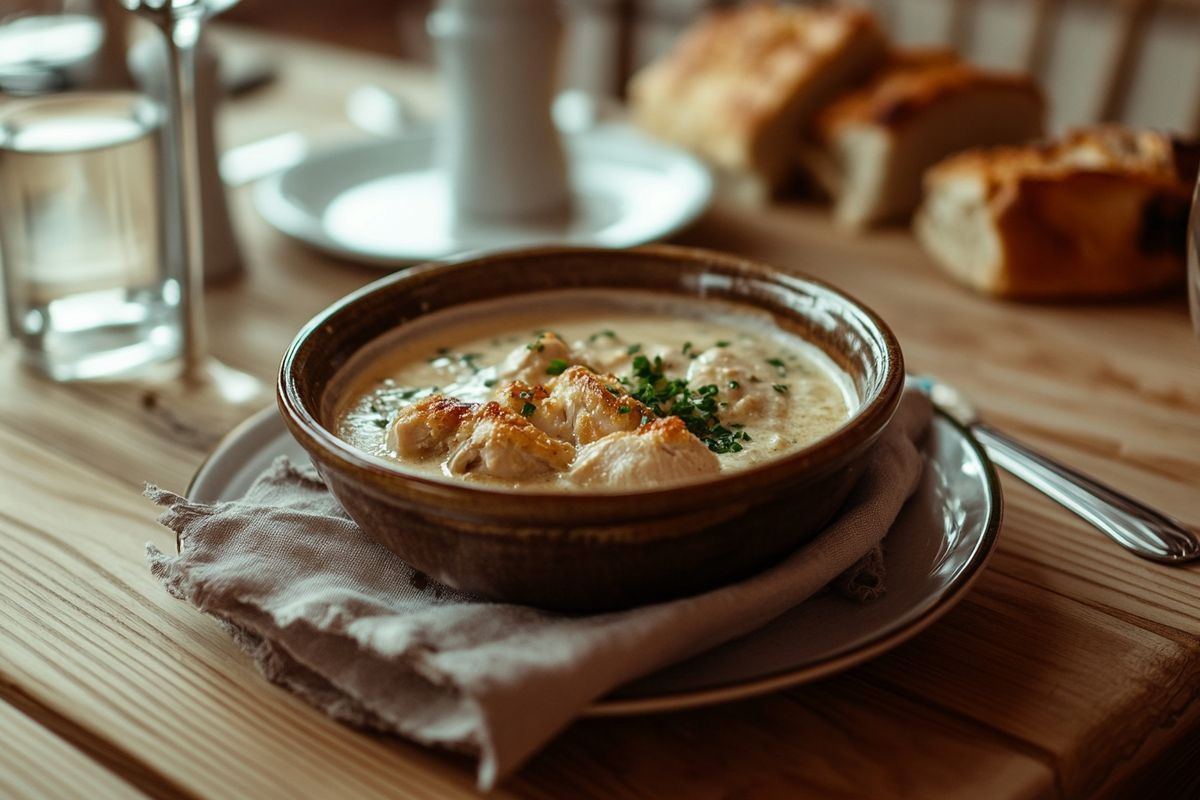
{"points": [[343, 622]]}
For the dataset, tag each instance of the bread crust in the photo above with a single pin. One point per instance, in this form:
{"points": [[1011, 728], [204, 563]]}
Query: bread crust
{"points": [[1100, 213], [912, 82], [743, 85], [875, 142]]}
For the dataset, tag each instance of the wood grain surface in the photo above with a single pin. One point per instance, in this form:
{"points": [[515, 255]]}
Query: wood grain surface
{"points": [[1071, 670]]}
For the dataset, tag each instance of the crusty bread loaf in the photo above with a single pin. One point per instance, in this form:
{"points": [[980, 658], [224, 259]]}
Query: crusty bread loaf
{"points": [[743, 85], [875, 143], [1100, 213]]}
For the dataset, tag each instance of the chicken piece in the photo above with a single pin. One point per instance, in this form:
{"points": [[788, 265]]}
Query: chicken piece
{"points": [[662, 451], [427, 428], [498, 443], [749, 395], [531, 403], [577, 406], [532, 363], [586, 406]]}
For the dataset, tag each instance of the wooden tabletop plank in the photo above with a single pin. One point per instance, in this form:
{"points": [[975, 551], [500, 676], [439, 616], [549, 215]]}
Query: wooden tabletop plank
{"points": [[35, 764], [778, 747], [87, 633]]}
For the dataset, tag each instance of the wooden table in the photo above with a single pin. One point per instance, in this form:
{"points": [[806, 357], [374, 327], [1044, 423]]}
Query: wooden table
{"points": [[1071, 669]]}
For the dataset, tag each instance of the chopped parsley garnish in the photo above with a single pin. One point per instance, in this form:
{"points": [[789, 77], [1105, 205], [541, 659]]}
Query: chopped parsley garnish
{"points": [[672, 397], [623, 409], [723, 343], [556, 366], [602, 335], [782, 388], [687, 348], [489, 383], [528, 409], [535, 346], [778, 364], [733, 384], [633, 349], [470, 361]]}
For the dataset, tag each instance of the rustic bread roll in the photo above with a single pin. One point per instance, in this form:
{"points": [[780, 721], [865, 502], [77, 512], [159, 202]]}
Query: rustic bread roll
{"points": [[1100, 213], [875, 143], [743, 85]]}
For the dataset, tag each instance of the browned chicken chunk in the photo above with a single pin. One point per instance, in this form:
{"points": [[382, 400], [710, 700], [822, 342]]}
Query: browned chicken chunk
{"points": [[663, 451], [585, 406], [500, 444], [577, 406], [532, 362], [427, 428], [483, 439]]}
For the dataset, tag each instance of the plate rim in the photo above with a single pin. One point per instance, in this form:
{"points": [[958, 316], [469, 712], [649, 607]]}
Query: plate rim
{"points": [[685, 699], [275, 208]]}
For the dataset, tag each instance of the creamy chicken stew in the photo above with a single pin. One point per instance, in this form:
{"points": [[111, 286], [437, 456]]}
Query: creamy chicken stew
{"points": [[592, 389]]}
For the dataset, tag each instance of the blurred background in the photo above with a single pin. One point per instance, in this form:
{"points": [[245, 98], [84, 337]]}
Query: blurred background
{"points": [[1131, 60]]}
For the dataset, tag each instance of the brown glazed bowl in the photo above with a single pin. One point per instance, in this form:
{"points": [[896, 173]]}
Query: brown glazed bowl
{"points": [[591, 551]]}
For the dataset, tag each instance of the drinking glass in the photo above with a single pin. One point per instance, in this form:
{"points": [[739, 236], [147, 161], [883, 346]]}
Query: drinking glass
{"points": [[88, 289]]}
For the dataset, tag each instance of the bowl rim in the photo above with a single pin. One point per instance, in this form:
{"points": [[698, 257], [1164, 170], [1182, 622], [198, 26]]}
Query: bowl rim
{"points": [[859, 430]]}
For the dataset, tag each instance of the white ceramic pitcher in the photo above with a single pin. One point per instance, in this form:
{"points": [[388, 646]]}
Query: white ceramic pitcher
{"points": [[501, 151]]}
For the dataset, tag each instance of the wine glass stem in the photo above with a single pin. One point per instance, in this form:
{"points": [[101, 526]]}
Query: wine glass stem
{"points": [[184, 32]]}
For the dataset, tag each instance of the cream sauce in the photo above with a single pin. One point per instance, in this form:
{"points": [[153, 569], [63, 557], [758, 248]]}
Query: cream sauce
{"points": [[778, 392]]}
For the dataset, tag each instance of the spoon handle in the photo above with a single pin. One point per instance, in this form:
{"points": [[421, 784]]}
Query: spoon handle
{"points": [[1131, 524]]}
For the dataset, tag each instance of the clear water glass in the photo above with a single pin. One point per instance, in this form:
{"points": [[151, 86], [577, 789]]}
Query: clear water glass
{"points": [[83, 248]]}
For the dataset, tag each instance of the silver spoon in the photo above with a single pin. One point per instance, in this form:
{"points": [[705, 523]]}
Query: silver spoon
{"points": [[1130, 523]]}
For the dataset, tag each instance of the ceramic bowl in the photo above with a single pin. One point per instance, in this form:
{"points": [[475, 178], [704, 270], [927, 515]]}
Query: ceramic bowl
{"points": [[590, 551]]}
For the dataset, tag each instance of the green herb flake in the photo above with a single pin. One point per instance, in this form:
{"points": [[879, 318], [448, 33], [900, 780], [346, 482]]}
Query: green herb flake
{"points": [[470, 361], [528, 409], [778, 364], [602, 335], [489, 383], [733, 384], [723, 343], [633, 349], [556, 366], [782, 388], [673, 397], [623, 410]]}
